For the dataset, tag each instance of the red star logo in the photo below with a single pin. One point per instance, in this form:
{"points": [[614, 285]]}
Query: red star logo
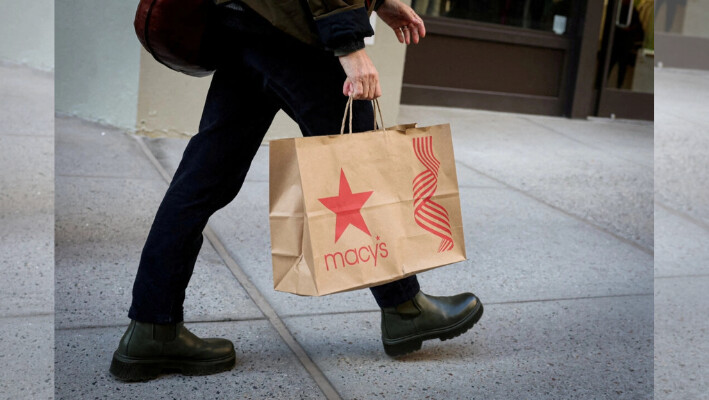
{"points": [[347, 207]]}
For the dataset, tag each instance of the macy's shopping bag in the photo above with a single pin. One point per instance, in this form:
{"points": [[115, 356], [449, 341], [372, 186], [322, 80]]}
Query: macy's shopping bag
{"points": [[359, 210]]}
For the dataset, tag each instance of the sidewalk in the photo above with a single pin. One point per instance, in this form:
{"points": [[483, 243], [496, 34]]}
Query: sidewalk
{"points": [[559, 228], [26, 233], [682, 232]]}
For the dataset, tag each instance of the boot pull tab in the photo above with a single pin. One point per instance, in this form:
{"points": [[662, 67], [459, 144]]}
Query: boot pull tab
{"points": [[408, 309]]}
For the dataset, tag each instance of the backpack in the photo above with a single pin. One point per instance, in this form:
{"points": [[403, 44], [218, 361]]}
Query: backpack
{"points": [[174, 33]]}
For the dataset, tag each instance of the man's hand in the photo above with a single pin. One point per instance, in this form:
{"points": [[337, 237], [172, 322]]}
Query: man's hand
{"points": [[362, 78], [407, 25]]}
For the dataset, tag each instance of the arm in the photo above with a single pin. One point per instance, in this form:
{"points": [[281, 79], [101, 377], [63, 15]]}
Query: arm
{"points": [[362, 77], [342, 25], [362, 81]]}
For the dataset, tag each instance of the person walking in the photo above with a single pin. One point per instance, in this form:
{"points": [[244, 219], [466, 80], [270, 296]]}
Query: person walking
{"points": [[307, 59]]}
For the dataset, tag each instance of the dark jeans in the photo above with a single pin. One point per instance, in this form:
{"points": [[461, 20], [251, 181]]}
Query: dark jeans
{"points": [[263, 71]]}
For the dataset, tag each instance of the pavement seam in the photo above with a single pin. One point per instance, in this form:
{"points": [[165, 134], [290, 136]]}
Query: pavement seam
{"points": [[627, 241], [492, 303], [610, 296], [256, 296], [28, 135], [28, 315], [677, 213], [482, 187], [368, 311], [191, 321], [590, 146], [128, 178], [682, 276]]}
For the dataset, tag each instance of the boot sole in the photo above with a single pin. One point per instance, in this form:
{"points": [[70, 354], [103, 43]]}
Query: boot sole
{"points": [[136, 370], [408, 345]]}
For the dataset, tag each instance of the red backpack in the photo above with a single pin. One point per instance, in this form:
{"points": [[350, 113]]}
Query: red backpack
{"points": [[173, 32]]}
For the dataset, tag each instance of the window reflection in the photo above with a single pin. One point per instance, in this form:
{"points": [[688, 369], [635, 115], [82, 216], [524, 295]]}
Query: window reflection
{"points": [[546, 15], [632, 53]]}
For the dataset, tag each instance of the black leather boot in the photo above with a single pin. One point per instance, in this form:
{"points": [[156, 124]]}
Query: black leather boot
{"points": [[425, 317], [146, 350]]}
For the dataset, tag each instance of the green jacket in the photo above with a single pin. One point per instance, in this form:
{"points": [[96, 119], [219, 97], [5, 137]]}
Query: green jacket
{"points": [[331, 24]]}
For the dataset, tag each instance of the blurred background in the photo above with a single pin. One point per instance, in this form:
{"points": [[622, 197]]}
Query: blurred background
{"points": [[581, 59], [27, 199]]}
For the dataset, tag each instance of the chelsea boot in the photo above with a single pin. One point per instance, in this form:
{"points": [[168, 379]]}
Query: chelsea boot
{"points": [[425, 317], [146, 350]]}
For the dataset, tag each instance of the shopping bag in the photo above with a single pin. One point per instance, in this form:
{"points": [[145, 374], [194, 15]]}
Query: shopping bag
{"points": [[351, 211]]}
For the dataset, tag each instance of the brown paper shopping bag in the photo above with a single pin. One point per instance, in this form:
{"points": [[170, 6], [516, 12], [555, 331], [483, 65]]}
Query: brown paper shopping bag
{"points": [[358, 210]]}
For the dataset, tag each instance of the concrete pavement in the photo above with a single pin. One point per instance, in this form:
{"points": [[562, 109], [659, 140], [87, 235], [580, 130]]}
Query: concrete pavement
{"points": [[682, 234], [26, 233], [558, 221], [560, 240]]}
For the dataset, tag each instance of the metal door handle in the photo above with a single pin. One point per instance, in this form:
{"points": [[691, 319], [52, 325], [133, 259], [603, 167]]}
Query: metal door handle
{"points": [[630, 14]]}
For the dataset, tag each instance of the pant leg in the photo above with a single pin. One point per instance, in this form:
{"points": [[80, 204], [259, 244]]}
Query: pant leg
{"points": [[394, 293], [307, 84], [235, 118]]}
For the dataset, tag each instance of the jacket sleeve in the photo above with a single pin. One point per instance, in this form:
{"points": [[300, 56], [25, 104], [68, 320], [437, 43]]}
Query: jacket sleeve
{"points": [[341, 24]]}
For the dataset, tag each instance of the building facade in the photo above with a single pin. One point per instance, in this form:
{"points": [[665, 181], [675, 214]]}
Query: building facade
{"points": [[573, 58]]}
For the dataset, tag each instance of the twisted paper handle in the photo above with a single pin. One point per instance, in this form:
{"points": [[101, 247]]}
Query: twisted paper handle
{"points": [[349, 110], [428, 214]]}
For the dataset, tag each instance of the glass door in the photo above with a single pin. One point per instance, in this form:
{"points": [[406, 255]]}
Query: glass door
{"points": [[626, 77]]}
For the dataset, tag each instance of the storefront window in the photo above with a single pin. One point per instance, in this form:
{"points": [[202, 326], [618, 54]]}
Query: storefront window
{"points": [[545, 15]]}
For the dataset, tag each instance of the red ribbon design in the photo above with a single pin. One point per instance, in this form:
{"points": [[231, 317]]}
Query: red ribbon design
{"points": [[428, 214]]}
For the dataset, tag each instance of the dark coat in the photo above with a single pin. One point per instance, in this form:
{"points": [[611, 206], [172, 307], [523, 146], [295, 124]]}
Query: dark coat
{"points": [[331, 24]]}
